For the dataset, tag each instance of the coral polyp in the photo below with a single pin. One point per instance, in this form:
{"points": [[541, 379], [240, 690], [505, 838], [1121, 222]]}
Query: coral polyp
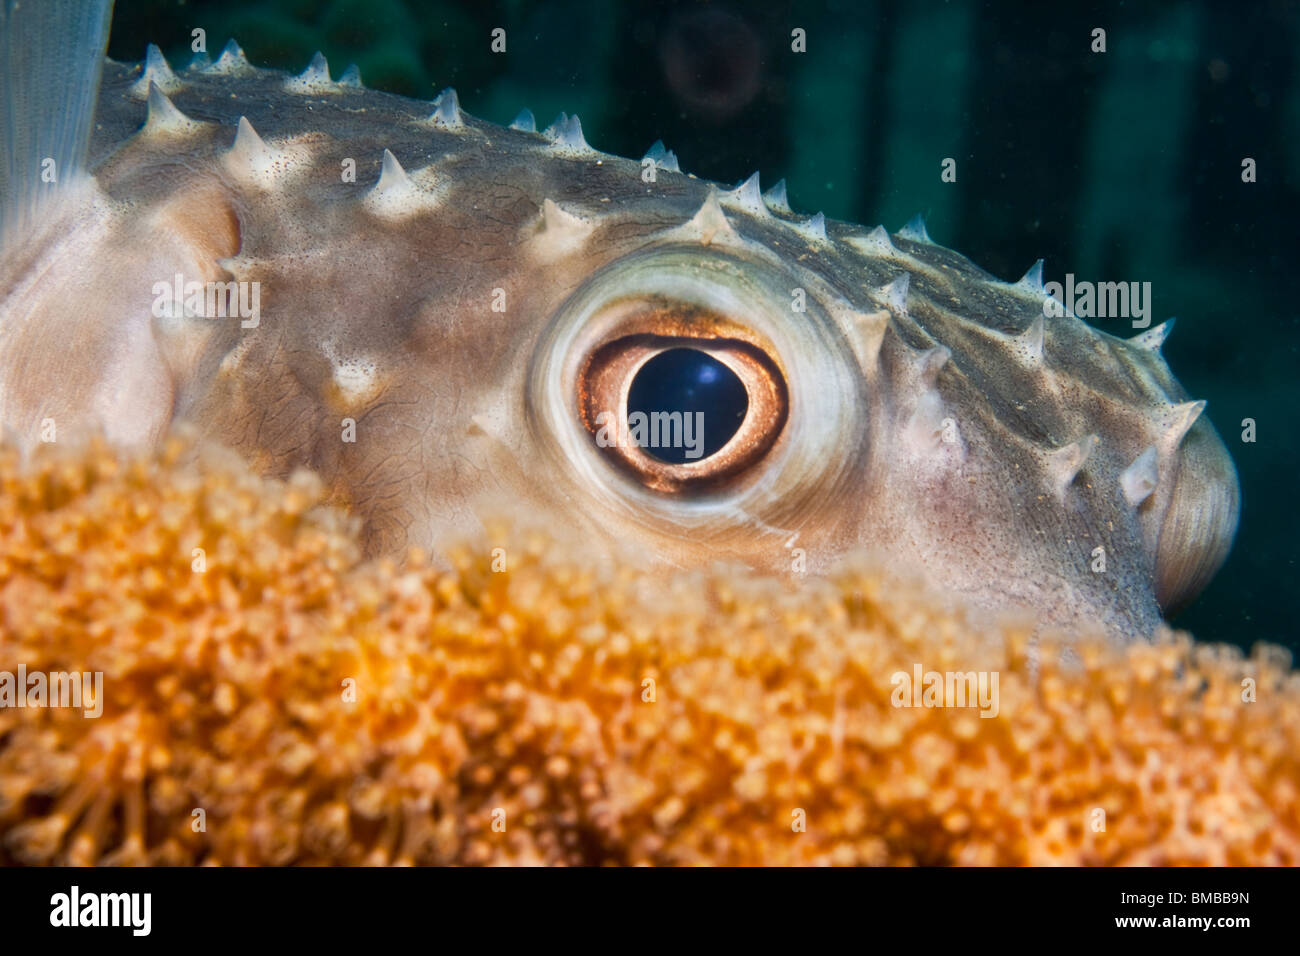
{"points": [[269, 697]]}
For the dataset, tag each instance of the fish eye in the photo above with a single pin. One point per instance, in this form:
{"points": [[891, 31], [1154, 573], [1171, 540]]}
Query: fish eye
{"points": [[693, 386], [635, 355], [682, 412]]}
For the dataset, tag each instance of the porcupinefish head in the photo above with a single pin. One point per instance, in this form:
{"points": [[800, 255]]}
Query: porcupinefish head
{"points": [[440, 315]]}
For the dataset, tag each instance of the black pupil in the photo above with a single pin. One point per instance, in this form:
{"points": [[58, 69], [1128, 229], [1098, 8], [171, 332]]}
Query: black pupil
{"points": [[690, 405]]}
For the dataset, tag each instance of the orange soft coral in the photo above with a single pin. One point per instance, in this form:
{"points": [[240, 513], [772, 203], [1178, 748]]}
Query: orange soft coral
{"points": [[288, 703]]}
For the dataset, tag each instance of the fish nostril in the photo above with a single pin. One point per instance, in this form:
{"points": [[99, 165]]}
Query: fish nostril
{"points": [[687, 382]]}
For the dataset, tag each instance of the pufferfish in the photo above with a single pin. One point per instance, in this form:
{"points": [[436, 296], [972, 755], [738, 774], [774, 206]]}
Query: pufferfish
{"points": [[441, 316]]}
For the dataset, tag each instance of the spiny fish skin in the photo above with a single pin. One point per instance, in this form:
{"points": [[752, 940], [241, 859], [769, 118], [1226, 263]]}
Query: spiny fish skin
{"points": [[931, 414]]}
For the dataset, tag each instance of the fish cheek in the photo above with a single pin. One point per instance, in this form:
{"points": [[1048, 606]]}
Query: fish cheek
{"points": [[206, 221], [202, 228]]}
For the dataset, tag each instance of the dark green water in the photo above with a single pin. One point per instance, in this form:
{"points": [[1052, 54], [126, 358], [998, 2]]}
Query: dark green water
{"points": [[1116, 166]]}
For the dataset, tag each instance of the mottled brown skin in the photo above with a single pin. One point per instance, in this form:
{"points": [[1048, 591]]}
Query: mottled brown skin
{"points": [[943, 467]]}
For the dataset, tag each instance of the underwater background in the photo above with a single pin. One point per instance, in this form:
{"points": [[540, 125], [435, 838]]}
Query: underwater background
{"points": [[1122, 166]]}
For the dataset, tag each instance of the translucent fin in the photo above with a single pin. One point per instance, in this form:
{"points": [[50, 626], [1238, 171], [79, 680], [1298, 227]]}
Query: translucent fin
{"points": [[51, 58]]}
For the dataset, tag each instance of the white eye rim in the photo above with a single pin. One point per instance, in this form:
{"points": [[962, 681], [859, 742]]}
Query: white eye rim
{"points": [[823, 384]]}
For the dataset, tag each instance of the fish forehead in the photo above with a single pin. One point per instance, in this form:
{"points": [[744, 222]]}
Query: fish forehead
{"points": [[975, 441]]}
